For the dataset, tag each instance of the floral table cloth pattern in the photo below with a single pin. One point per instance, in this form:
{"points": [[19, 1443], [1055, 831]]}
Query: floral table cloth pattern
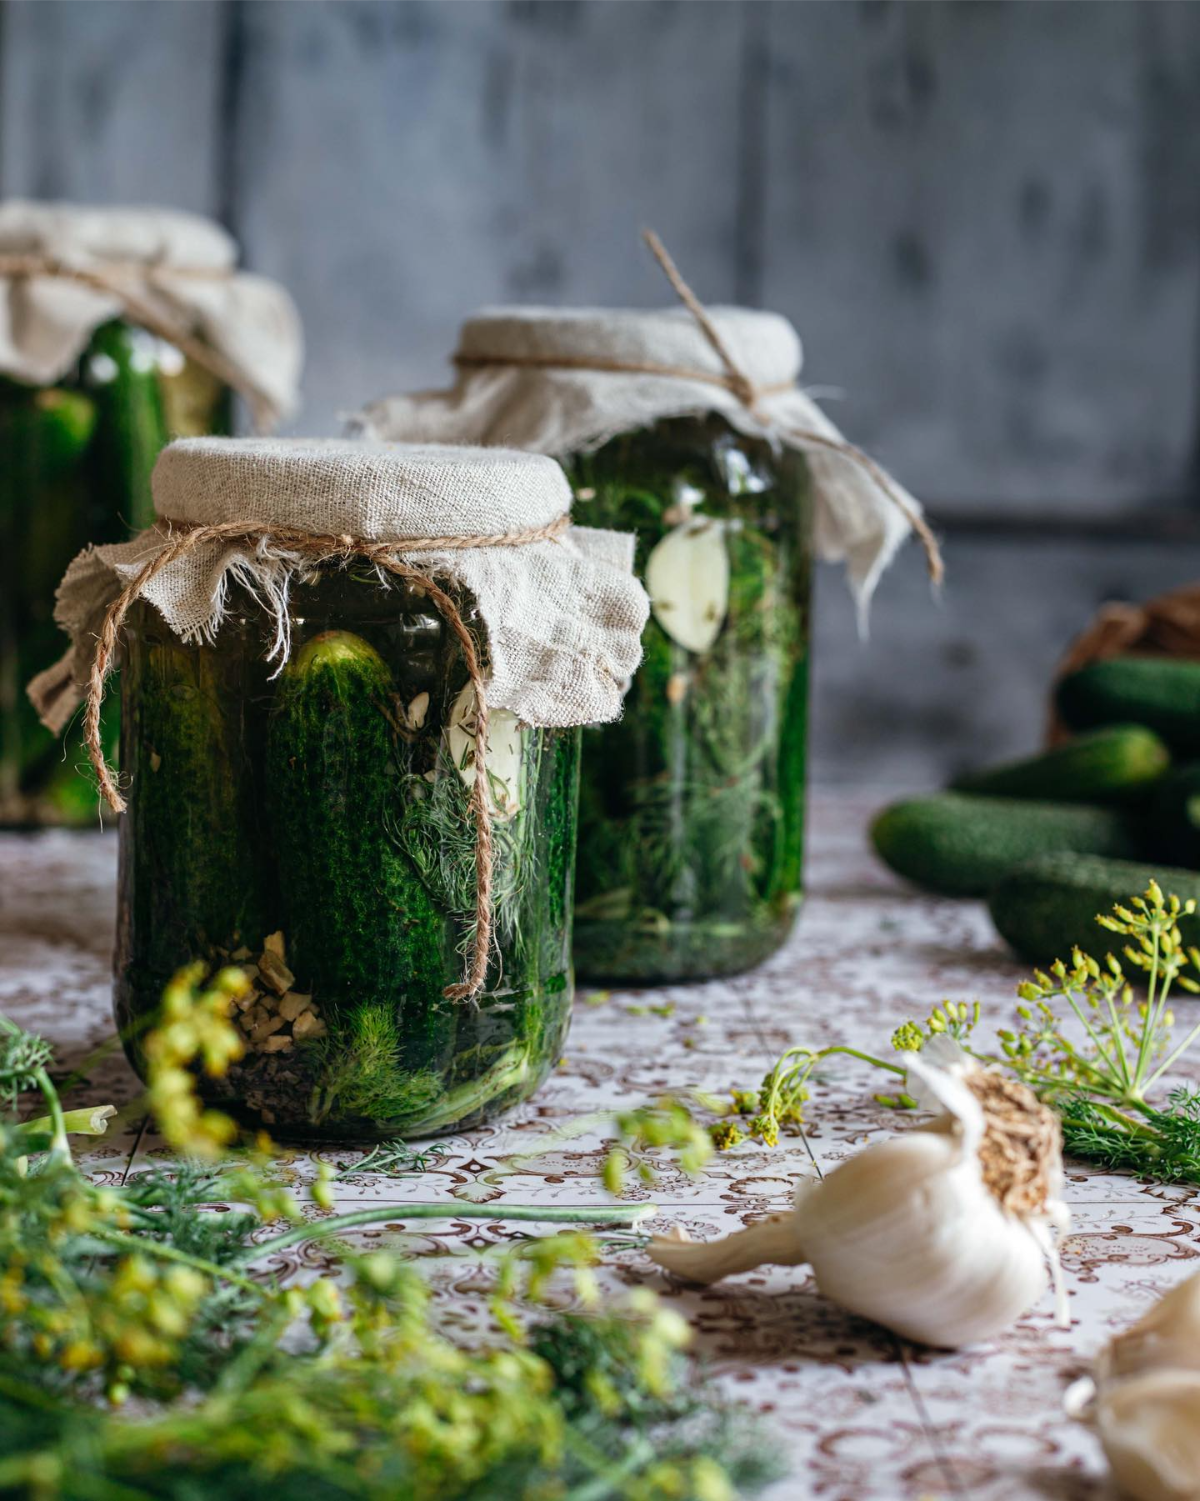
{"points": [[857, 1414]]}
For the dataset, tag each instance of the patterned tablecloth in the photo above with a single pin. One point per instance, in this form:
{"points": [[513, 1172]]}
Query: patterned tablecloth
{"points": [[857, 1414]]}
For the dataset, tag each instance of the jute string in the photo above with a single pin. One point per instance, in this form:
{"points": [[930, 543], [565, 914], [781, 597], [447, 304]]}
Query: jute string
{"points": [[183, 538], [112, 281], [734, 380]]}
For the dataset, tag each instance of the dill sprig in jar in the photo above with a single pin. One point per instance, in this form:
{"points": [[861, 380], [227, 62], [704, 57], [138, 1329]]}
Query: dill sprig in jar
{"points": [[119, 329], [352, 680], [687, 427]]}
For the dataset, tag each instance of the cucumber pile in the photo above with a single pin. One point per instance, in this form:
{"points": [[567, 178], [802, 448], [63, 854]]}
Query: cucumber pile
{"points": [[1055, 839]]}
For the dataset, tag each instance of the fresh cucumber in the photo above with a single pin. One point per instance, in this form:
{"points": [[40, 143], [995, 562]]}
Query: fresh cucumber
{"points": [[1048, 905], [44, 522], [1105, 765], [362, 932], [1162, 693], [121, 375], [192, 819], [1175, 817], [961, 845]]}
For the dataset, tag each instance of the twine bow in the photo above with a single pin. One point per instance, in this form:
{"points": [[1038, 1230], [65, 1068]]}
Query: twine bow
{"points": [[735, 380], [183, 538], [114, 279]]}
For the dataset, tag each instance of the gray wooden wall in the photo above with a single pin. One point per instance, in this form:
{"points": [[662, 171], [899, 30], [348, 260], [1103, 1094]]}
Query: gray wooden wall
{"points": [[984, 219]]}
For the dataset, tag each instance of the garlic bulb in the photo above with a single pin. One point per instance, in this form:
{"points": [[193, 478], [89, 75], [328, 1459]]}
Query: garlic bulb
{"points": [[505, 746], [687, 579], [942, 1234], [1144, 1400]]}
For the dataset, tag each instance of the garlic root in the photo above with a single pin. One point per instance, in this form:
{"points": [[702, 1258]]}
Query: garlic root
{"points": [[706, 1261]]}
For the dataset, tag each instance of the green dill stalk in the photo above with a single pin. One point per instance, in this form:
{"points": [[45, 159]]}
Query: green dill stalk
{"points": [[141, 1292], [1101, 1087]]}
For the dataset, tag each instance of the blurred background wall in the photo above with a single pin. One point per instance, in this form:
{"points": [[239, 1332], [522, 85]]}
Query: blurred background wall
{"points": [[983, 218]]}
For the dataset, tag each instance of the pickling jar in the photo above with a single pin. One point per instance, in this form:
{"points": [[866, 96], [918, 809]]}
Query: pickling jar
{"points": [[91, 387], [687, 427], [301, 771]]}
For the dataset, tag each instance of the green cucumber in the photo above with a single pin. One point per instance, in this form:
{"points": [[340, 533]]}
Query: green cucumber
{"points": [[192, 817], [1097, 766], [1162, 693], [961, 845], [120, 372], [362, 932], [1047, 906], [43, 524], [1175, 817]]}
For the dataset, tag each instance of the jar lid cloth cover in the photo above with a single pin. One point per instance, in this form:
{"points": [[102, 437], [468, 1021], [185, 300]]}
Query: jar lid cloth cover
{"points": [[566, 380], [67, 268], [562, 613]]}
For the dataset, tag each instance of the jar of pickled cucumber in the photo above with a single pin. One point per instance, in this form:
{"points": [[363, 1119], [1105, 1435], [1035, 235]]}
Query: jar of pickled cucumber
{"points": [[692, 810], [305, 759], [91, 387], [692, 433]]}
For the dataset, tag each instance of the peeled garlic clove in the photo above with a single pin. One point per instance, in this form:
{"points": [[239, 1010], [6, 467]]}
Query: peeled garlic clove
{"points": [[505, 752], [907, 1233], [1149, 1426], [416, 711], [687, 578]]}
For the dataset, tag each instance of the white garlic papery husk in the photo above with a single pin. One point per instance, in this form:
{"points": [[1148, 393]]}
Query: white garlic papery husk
{"points": [[687, 579], [505, 748], [942, 1235], [1144, 1400]]}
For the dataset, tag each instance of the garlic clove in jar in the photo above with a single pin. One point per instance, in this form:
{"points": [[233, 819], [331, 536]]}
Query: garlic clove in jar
{"points": [[941, 1234], [687, 579], [505, 752]]}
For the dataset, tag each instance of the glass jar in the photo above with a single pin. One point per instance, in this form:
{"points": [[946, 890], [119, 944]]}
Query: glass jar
{"points": [[315, 827], [76, 461], [692, 805]]}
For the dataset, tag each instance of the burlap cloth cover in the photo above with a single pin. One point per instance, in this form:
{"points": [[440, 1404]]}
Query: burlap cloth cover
{"points": [[65, 269], [562, 617], [565, 408]]}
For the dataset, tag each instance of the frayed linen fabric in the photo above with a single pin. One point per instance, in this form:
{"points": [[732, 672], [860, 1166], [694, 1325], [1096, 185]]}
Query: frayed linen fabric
{"points": [[180, 267], [561, 618], [511, 391]]}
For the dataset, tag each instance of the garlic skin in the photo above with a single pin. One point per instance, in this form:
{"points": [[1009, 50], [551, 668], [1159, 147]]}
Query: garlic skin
{"points": [[1144, 1400], [1150, 1428], [907, 1233], [687, 579]]}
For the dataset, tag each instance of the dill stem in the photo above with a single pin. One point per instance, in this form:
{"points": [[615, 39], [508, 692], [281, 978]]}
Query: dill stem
{"points": [[1114, 1073], [315, 1229], [1119, 1033], [1144, 1045], [1134, 1127], [608, 1471], [892, 1068], [59, 1145], [139, 1246], [1171, 1058]]}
